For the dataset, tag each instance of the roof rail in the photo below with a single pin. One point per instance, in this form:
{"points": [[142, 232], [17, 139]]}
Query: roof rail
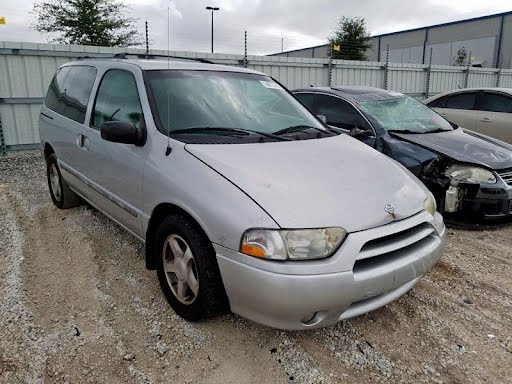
{"points": [[124, 55], [151, 56]]}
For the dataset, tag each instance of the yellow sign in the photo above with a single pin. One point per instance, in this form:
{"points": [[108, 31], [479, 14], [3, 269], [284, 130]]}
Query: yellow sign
{"points": [[2, 20], [336, 47]]}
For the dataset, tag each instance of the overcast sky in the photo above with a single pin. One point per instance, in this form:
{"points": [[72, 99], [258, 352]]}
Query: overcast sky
{"points": [[301, 23]]}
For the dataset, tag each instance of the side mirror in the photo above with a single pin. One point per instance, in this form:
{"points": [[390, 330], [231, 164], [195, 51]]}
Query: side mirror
{"points": [[123, 132], [322, 118], [358, 133]]}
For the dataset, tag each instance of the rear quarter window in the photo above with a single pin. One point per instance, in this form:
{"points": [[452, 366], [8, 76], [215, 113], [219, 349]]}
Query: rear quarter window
{"points": [[55, 95], [70, 91]]}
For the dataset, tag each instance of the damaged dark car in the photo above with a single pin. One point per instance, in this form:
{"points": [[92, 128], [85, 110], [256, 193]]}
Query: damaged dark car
{"points": [[470, 174]]}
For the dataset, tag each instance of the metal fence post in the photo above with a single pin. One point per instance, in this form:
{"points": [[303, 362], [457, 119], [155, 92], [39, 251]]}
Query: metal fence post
{"points": [[330, 67], [245, 51], [498, 79], [429, 73], [466, 80], [386, 68], [3, 149], [147, 40]]}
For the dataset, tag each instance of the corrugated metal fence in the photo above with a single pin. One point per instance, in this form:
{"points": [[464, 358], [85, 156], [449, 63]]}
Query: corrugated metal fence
{"points": [[26, 69]]}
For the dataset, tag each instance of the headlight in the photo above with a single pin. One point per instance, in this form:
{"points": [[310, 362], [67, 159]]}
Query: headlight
{"points": [[293, 244], [471, 174], [430, 204]]}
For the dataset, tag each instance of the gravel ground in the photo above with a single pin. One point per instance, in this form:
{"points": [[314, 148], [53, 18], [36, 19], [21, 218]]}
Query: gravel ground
{"points": [[78, 306]]}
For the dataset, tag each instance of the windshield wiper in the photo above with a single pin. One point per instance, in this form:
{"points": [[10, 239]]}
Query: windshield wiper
{"points": [[438, 130], [407, 131], [299, 128], [225, 131]]}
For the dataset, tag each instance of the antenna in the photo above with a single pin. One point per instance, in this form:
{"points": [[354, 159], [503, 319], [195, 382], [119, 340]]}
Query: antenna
{"points": [[169, 149]]}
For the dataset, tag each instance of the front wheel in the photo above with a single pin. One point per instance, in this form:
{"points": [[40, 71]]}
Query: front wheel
{"points": [[187, 269]]}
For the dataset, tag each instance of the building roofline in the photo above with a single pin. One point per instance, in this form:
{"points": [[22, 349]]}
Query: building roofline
{"points": [[446, 24], [299, 49], [502, 14]]}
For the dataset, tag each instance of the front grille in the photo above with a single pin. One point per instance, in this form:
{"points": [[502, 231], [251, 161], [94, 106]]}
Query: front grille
{"points": [[506, 175], [392, 247]]}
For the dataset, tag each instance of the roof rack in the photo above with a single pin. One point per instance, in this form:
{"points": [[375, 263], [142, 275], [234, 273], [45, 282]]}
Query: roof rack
{"points": [[124, 55], [144, 56]]}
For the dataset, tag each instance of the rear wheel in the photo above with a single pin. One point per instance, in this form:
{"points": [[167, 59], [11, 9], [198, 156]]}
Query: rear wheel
{"points": [[187, 269], [62, 196]]}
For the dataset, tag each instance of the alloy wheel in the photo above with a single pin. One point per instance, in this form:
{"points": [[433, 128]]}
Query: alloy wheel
{"points": [[180, 269]]}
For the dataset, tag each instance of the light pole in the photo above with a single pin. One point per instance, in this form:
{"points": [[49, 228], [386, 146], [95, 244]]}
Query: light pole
{"points": [[212, 9]]}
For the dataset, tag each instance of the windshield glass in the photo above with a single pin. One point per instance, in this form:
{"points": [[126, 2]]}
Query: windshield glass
{"points": [[209, 99], [404, 114]]}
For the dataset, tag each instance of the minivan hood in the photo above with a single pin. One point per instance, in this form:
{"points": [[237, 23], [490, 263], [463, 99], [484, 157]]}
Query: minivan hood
{"points": [[465, 146], [335, 181]]}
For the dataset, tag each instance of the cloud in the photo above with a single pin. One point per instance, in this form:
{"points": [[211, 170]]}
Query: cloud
{"points": [[300, 23]]}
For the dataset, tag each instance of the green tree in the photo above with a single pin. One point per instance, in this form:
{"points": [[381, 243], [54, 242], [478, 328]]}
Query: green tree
{"points": [[86, 22], [461, 57], [353, 39]]}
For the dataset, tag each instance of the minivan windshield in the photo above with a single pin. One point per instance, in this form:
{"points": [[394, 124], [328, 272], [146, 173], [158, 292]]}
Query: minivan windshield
{"points": [[405, 115], [215, 102]]}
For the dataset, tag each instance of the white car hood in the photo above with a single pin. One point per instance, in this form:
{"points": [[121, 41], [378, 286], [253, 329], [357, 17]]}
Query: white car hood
{"points": [[335, 181]]}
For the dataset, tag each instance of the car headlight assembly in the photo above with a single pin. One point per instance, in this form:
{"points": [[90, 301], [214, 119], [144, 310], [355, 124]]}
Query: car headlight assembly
{"points": [[430, 204], [292, 244], [470, 174]]}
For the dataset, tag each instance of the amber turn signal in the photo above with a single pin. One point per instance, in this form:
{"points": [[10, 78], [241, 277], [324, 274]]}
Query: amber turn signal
{"points": [[253, 250]]}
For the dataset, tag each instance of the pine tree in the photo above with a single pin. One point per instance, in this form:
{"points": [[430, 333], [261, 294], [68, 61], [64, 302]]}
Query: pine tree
{"points": [[462, 56], [353, 39]]}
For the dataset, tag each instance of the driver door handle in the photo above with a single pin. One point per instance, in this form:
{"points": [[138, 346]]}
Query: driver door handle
{"points": [[83, 142], [485, 120]]}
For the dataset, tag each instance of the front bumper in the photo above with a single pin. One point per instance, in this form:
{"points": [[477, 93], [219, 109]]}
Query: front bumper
{"points": [[371, 269], [483, 203]]}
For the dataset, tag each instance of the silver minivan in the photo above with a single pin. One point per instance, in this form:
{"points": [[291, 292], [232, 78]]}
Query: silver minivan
{"points": [[244, 199]]}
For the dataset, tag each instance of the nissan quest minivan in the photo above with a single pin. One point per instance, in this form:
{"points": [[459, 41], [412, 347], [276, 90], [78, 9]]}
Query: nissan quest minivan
{"points": [[244, 199]]}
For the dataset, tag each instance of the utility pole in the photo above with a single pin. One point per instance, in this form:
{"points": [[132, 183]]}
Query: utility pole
{"points": [[147, 40], [282, 44], [212, 9]]}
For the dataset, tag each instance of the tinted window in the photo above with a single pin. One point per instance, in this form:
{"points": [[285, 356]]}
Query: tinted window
{"points": [[70, 90], [438, 103], [78, 86], [55, 95], [461, 101], [339, 113], [306, 98], [493, 102], [117, 99]]}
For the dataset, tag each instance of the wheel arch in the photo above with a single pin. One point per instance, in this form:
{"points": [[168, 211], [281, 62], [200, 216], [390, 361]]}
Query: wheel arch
{"points": [[160, 212], [48, 150]]}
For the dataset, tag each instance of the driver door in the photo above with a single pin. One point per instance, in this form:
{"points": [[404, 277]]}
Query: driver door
{"points": [[114, 170]]}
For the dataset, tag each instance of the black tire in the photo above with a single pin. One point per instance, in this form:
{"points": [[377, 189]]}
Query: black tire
{"points": [[211, 298], [64, 198]]}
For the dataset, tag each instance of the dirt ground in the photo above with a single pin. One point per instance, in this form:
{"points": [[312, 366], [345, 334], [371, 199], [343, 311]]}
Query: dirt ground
{"points": [[78, 306]]}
